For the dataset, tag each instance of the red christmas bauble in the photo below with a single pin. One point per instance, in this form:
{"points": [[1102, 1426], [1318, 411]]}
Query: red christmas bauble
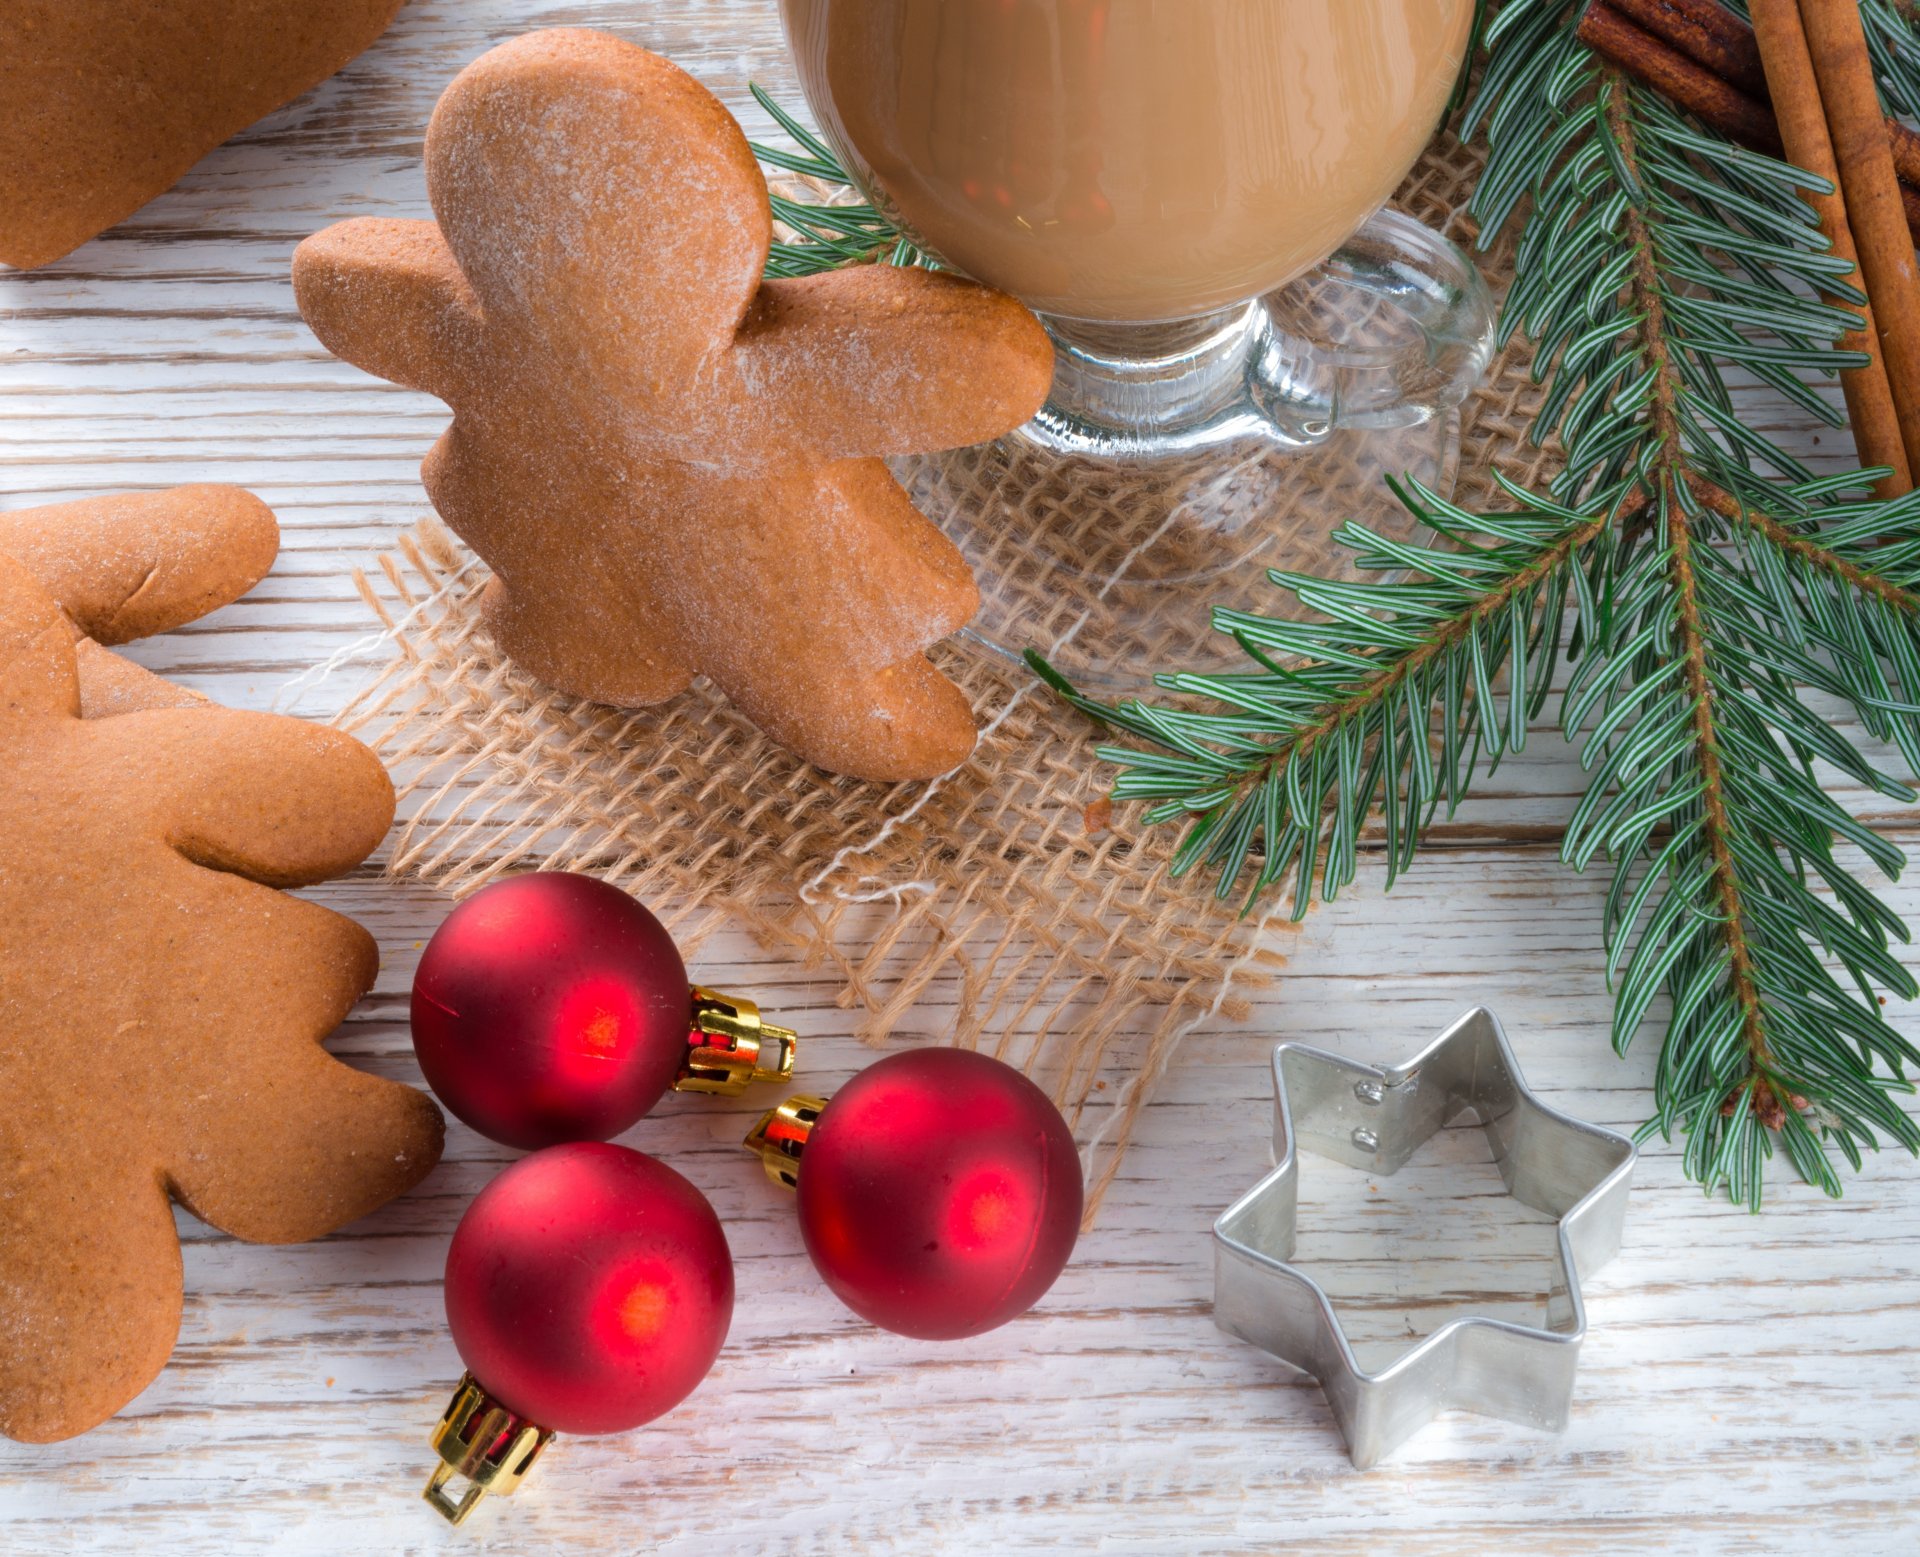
{"points": [[939, 1193], [549, 1008], [589, 1288]]}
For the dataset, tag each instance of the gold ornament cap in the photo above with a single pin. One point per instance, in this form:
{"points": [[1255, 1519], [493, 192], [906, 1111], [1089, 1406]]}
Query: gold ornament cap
{"points": [[731, 1046], [489, 1444], [781, 1136]]}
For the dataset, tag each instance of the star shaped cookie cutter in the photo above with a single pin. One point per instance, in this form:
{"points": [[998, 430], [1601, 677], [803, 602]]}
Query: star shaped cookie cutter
{"points": [[1375, 1119]]}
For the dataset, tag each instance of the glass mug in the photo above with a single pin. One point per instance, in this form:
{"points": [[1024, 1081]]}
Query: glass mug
{"points": [[1161, 181]]}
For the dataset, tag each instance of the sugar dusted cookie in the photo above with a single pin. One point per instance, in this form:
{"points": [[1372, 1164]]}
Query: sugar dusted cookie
{"points": [[671, 466], [161, 1003], [106, 103]]}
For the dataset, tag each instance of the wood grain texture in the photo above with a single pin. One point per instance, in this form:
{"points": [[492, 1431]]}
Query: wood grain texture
{"points": [[1750, 1384]]}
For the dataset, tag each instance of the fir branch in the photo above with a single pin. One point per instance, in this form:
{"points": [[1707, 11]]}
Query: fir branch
{"points": [[1794, 544], [1653, 257], [1664, 475], [1367, 681]]}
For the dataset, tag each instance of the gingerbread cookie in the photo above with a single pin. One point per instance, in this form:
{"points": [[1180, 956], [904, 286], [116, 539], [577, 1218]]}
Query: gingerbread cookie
{"points": [[671, 466], [107, 104], [161, 1005]]}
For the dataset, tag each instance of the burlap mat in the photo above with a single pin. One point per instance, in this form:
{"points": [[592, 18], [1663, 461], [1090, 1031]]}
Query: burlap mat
{"points": [[1007, 907]]}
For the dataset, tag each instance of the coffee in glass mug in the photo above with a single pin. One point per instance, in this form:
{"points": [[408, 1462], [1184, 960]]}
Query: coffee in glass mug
{"points": [[1129, 159], [1190, 194]]}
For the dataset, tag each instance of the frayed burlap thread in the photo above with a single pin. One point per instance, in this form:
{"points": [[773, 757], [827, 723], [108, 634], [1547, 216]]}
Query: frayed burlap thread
{"points": [[1008, 907]]}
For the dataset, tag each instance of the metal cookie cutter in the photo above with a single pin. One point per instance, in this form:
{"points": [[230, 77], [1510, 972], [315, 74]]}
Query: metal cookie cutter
{"points": [[1376, 1119]]}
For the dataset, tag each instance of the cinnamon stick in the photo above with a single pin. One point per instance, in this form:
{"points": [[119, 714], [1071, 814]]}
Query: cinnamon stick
{"points": [[1707, 33], [1690, 84], [1795, 92], [1719, 41], [1838, 45], [1906, 151]]}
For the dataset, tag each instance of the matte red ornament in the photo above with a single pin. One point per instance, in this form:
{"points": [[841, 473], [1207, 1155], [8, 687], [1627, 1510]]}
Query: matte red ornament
{"points": [[939, 1190], [553, 1007], [589, 1288]]}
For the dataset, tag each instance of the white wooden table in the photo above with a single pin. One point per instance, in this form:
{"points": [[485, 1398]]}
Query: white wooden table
{"points": [[1751, 1384]]}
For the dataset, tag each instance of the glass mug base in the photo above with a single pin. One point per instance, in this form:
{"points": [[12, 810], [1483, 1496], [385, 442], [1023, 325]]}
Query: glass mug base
{"points": [[1174, 464]]}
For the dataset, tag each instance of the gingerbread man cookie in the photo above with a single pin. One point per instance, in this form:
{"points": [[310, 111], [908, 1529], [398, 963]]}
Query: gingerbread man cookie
{"points": [[161, 1004], [672, 466], [107, 104]]}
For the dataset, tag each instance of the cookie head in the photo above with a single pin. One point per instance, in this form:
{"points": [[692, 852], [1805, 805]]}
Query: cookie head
{"points": [[599, 198]]}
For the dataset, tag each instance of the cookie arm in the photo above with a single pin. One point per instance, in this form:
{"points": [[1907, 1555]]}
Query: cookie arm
{"points": [[879, 360], [140, 563], [388, 296], [260, 795]]}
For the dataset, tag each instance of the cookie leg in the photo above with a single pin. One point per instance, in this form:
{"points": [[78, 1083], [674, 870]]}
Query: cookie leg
{"points": [[580, 637], [904, 722], [89, 1287], [573, 648], [298, 1143], [305, 1144]]}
